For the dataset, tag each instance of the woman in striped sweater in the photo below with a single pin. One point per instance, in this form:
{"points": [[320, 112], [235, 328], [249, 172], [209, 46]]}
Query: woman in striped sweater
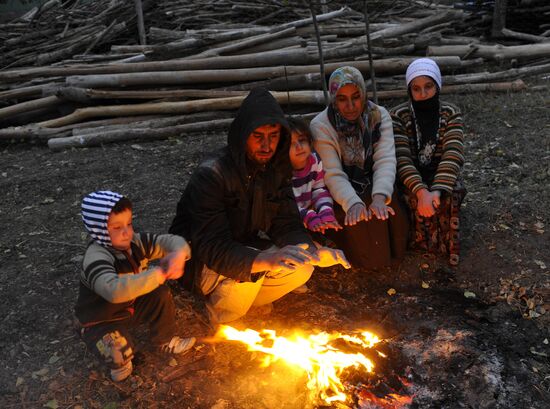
{"points": [[429, 144]]}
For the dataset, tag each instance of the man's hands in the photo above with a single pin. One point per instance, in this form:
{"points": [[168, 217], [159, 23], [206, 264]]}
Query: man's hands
{"points": [[377, 208], [171, 266], [289, 258], [428, 202], [283, 260], [329, 257]]}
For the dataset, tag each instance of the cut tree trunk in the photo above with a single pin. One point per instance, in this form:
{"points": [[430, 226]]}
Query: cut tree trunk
{"points": [[28, 106], [296, 98], [499, 17], [143, 134], [391, 65], [495, 52]]}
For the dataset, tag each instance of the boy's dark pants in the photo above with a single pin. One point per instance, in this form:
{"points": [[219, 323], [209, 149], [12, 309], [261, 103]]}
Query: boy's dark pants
{"points": [[111, 342]]}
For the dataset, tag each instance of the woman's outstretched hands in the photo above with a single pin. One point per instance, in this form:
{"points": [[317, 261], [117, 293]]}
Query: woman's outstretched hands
{"points": [[379, 208], [356, 213]]}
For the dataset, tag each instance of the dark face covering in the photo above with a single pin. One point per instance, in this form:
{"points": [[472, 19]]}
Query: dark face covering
{"points": [[426, 117]]}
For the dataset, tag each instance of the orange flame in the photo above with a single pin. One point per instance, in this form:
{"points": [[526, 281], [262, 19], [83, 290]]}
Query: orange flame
{"points": [[314, 353]]}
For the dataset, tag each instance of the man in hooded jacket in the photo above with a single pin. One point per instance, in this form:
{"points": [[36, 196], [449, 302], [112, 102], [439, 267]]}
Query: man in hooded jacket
{"points": [[250, 247]]}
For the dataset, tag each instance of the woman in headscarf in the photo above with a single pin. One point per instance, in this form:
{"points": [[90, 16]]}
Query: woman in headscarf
{"points": [[429, 144], [354, 138]]}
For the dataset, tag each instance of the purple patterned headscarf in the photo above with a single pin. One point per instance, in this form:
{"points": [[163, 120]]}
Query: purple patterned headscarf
{"points": [[344, 76]]}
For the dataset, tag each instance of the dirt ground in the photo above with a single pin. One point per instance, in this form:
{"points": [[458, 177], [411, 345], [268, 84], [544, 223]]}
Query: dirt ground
{"points": [[503, 332]]}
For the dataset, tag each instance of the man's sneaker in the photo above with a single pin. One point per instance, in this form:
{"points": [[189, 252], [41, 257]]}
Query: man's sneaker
{"points": [[178, 345], [303, 289], [122, 373]]}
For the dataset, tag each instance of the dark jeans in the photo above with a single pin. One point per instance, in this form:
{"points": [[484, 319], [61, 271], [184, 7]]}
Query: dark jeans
{"points": [[111, 342], [374, 243]]}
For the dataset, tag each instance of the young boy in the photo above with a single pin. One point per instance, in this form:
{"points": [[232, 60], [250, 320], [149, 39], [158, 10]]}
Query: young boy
{"points": [[312, 197], [118, 291]]}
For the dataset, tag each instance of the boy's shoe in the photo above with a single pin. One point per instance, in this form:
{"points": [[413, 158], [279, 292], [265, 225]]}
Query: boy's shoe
{"points": [[303, 289], [122, 373], [178, 345]]}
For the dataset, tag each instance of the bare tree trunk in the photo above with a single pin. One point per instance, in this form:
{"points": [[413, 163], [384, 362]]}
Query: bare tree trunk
{"points": [[320, 49], [369, 50], [296, 98], [28, 106], [499, 17], [144, 134], [495, 52], [140, 24], [392, 65]]}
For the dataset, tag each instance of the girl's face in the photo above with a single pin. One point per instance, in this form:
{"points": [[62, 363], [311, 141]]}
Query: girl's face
{"points": [[299, 150], [422, 88], [349, 102]]}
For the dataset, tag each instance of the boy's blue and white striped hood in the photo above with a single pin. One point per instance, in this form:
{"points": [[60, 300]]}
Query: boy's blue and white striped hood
{"points": [[96, 208]]}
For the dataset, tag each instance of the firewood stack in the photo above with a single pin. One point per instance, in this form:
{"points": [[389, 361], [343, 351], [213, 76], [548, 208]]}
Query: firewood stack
{"points": [[74, 73]]}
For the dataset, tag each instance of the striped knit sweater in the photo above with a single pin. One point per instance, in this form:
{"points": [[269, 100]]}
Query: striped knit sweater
{"points": [[111, 279], [312, 197], [449, 151]]}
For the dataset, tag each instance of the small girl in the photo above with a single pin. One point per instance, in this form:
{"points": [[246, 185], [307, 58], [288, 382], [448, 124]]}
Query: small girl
{"points": [[312, 197]]}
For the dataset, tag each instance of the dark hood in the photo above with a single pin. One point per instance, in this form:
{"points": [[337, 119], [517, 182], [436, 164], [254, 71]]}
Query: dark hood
{"points": [[259, 108]]}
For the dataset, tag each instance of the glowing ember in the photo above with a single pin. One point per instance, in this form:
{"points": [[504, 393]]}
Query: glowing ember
{"points": [[316, 354]]}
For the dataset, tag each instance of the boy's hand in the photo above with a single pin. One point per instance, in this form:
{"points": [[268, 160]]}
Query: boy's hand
{"points": [[174, 263]]}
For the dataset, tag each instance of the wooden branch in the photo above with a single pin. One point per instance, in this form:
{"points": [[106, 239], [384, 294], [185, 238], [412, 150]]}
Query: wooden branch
{"points": [[499, 76], [100, 37], [140, 24], [22, 92], [499, 17], [143, 134], [320, 18], [87, 95], [524, 36], [494, 52], [296, 98], [260, 39], [414, 26], [46, 102], [395, 65]]}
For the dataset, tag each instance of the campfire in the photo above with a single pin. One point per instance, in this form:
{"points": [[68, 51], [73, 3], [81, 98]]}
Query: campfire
{"points": [[341, 368]]}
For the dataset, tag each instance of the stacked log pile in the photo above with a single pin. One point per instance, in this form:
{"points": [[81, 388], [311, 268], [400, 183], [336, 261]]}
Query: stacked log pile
{"points": [[74, 74]]}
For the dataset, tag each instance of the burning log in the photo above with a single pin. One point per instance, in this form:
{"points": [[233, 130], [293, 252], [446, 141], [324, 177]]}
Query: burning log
{"points": [[330, 361]]}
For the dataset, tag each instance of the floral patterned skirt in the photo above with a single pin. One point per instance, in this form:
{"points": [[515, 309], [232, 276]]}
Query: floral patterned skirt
{"points": [[441, 232]]}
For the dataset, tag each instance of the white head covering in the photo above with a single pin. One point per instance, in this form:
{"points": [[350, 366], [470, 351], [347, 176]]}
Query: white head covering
{"points": [[424, 66]]}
